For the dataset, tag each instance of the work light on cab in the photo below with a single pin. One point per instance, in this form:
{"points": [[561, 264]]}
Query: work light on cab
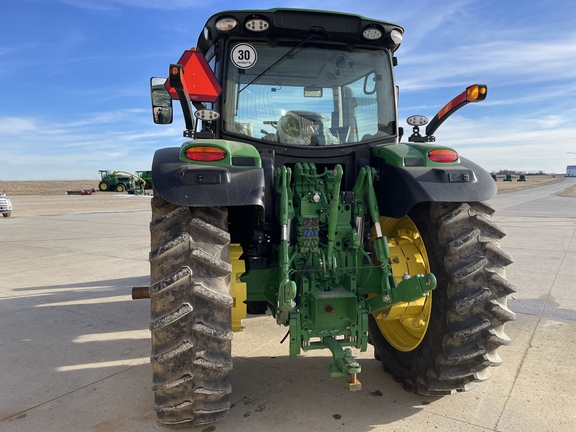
{"points": [[226, 24], [372, 33], [257, 25], [396, 36], [205, 153], [417, 120], [207, 115]]}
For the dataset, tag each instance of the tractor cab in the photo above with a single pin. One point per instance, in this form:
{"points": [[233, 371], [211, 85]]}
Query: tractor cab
{"points": [[288, 78]]}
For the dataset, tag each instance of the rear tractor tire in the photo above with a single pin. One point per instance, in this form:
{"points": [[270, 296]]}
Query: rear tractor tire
{"points": [[445, 342], [190, 313]]}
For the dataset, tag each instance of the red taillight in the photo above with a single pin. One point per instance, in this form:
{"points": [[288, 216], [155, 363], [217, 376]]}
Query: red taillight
{"points": [[442, 155], [205, 154]]}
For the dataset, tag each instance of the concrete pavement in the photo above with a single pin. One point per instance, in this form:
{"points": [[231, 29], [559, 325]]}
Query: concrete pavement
{"points": [[74, 351]]}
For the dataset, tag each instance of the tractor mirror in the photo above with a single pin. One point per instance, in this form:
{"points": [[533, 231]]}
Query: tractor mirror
{"points": [[161, 101], [370, 81]]}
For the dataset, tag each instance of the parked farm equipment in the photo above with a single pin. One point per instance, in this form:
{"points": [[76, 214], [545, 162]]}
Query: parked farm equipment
{"points": [[121, 181]]}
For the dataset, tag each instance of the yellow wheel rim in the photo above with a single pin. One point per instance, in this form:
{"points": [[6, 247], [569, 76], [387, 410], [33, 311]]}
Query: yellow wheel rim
{"points": [[238, 288], [404, 325]]}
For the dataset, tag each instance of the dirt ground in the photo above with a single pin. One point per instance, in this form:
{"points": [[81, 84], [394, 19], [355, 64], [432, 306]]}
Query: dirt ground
{"points": [[38, 198], [47, 187], [41, 198], [531, 182]]}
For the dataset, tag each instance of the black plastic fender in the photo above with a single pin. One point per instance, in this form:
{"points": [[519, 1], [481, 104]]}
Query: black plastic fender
{"points": [[400, 188], [197, 185]]}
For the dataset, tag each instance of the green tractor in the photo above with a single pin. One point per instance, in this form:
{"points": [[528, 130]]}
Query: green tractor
{"points": [[121, 181], [146, 176], [114, 181], [295, 196]]}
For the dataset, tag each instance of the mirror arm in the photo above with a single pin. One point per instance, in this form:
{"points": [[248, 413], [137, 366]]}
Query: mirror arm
{"points": [[198, 105], [177, 83], [474, 93], [441, 116]]}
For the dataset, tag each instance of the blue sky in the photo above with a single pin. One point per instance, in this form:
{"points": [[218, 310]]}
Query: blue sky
{"points": [[75, 77]]}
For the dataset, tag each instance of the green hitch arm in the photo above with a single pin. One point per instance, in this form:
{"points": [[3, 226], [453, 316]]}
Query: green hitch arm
{"points": [[359, 190], [283, 189], [333, 219], [380, 242], [287, 287], [359, 209], [407, 290]]}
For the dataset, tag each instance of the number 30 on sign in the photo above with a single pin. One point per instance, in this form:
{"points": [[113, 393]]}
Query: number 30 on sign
{"points": [[244, 56]]}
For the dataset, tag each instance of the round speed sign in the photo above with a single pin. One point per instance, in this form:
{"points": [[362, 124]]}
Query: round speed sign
{"points": [[244, 56]]}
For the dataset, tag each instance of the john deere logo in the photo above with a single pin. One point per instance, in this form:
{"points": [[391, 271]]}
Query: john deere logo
{"points": [[291, 126]]}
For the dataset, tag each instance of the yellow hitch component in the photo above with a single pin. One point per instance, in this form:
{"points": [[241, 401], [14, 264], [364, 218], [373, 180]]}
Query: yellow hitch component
{"points": [[238, 288]]}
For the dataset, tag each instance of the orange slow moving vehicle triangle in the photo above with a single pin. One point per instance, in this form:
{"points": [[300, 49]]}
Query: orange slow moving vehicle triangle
{"points": [[199, 79]]}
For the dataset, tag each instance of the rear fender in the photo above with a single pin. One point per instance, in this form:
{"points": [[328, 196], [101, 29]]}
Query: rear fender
{"points": [[399, 188], [204, 185]]}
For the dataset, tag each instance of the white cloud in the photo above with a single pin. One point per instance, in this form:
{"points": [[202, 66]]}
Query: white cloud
{"points": [[14, 126], [115, 5], [505, 62], [551, 121], [525, 145], [38, 148]]}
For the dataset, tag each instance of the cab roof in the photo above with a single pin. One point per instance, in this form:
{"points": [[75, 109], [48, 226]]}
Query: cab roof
{"points": [[300, 23]]}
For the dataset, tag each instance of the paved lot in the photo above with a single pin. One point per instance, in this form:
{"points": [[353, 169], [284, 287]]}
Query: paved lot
{"points": [[74, 347]]}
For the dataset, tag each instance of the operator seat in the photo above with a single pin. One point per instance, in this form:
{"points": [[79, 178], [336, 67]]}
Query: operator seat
{"points": [[305, 128]]}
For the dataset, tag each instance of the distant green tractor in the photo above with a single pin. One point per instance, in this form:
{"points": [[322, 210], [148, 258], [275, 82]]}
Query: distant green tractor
{"points": [[111, 181], [120, 181], [147, 177]]}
